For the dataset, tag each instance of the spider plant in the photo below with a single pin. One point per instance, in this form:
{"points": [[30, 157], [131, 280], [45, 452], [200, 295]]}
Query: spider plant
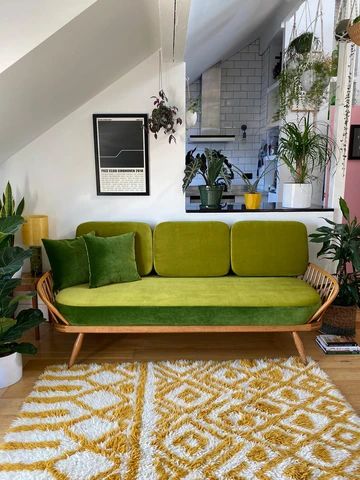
{"points": [[303, 148]]}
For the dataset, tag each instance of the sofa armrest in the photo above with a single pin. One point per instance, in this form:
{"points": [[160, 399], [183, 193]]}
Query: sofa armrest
{"points": [[46, 293], [326, 286]]}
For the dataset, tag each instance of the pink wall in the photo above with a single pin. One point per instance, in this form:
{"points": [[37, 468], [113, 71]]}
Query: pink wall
{"points": [[352, 182]]}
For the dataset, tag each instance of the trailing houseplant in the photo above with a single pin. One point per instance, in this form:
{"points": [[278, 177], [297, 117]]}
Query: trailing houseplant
{"points": [[12, 327], [163, 117], [341, 244], [216, 172], [304, 149]]}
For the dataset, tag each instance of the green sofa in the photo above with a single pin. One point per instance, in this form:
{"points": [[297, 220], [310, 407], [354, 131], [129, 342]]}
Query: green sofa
{"points": [[201, 276]]}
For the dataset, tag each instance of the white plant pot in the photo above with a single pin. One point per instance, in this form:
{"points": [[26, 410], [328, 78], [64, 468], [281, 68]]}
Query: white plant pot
{"points": [[307, 80], [18, 273], [11, 369], [191, 119], [297, 195]]}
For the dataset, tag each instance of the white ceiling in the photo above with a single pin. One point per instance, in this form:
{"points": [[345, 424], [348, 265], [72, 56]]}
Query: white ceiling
{"points": [[218, 28], [71, 66], [26, 23]]}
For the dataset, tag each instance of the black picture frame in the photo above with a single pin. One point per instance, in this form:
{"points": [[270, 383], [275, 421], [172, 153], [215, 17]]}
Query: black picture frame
{"points": [[354, 143], [124, 133]]}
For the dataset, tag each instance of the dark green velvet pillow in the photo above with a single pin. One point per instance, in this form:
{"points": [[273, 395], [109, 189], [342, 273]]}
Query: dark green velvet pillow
{"points": [[68, 260], [111, 259]]}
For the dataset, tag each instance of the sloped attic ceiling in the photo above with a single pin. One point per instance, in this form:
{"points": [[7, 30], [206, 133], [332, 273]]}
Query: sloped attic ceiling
{"points": [[79, 60], [218, 28]]}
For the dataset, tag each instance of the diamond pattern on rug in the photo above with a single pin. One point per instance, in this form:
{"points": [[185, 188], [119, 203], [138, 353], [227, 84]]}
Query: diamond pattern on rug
{"points": [[190, 420]]}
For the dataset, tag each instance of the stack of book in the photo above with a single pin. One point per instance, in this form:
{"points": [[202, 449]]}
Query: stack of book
{"points": [[337, 345]]}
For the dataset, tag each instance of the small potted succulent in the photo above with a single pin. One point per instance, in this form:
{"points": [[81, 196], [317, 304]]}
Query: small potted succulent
{"points": [[163, 117], [341, 244], [216, 171], [12, 327]]}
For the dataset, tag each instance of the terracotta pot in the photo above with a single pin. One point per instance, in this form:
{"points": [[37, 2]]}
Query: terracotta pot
{"points": [[338, 320], [252, 201]]}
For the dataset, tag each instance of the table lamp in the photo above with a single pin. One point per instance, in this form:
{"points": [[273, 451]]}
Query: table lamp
{"points": [[35, 228]]}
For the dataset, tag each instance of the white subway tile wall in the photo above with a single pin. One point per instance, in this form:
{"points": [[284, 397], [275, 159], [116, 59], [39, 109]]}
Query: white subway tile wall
{"points": [[243, 102]]}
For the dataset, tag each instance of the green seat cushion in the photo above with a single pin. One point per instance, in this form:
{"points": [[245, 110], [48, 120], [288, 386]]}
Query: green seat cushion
{"points": [[68, 261], [192, 249], [157, 300], [143, 239], [269, 248], [111, 259]]}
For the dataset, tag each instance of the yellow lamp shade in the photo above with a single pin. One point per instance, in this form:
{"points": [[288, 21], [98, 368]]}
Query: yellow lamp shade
{"points": [[35, 228]]}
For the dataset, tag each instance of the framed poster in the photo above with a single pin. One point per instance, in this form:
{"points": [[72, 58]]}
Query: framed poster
{"points": [[121, 154], [354, 144]]}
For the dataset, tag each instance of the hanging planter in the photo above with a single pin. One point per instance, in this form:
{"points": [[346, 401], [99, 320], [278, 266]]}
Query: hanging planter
{"points": [[192, 112], [163, 117], [307, 80], [354, 31]]}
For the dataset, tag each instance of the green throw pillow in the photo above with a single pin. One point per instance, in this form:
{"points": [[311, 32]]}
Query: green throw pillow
{"points": [[68, 260], [111, 259]]}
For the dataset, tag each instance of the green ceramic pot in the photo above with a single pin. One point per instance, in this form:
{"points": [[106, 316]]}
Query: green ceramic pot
{"points": [[210, 197]]}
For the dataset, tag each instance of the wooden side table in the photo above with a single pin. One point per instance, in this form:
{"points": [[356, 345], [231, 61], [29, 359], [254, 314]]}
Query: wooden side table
{"points": [[28, 284]]}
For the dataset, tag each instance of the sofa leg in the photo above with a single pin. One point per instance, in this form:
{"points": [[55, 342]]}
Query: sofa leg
{"points": [[76, 349], [300, 347]]}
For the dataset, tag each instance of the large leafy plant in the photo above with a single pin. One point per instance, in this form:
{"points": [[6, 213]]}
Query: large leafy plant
{"points": [[11, 259], [341, 243], [303, 148], [212, 165]]}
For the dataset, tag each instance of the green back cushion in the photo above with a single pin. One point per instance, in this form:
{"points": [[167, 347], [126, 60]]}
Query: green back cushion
{"points": [[143, 239], [192, 249], [111, 259], [68, 261], [269, 249]]}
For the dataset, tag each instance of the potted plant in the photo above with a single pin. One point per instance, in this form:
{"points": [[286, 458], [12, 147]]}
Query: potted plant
{"points": [[192, 112], [8, 208], [252, 196], [303, 148], [11, 329], [341, 243], [163, 117], [216, 171]]}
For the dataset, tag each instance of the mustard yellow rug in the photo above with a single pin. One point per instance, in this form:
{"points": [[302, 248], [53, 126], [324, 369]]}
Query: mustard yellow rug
{"points": [[191, 420]]}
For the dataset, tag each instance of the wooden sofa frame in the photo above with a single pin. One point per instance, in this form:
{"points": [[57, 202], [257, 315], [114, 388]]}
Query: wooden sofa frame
{"points": [[319, 279]]}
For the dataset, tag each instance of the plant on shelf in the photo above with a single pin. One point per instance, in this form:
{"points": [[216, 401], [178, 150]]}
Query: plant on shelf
{"points": [[216, 172], [163, 117], [341, 244], [11, 329], [252, 196], [304, 150]]}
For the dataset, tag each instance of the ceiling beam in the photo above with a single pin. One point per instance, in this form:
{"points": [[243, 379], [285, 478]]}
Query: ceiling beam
{"points": [[174, 19]]}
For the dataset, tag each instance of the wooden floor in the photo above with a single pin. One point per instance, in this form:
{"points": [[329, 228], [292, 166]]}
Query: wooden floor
{"points": [[55, 348]]}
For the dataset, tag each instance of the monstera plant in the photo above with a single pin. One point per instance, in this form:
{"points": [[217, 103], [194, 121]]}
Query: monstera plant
{"points": [[12, 324]]}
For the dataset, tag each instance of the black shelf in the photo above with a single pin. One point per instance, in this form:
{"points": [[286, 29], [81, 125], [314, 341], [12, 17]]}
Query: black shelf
{"points": [[265, 207]]}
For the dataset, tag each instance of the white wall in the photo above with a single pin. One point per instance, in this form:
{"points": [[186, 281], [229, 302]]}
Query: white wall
{"points": [[56, 172]]}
